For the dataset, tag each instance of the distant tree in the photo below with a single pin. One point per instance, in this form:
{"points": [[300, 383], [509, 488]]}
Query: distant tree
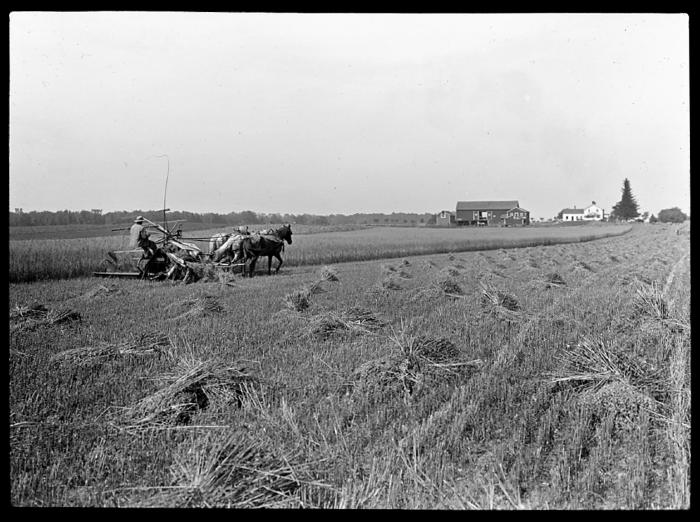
{"points": [[560, 215], [653, 219], [249, 217], [672, 215], [627, 207], [319, 220]]}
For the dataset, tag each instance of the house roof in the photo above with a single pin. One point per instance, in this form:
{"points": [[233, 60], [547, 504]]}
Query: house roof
{"points": [[486, 205], [572, 211], [518, 208]]}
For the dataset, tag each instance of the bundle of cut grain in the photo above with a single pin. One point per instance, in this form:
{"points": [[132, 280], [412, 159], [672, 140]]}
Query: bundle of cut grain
{"points": [[388, 269], [533, 263], [498, 273], [437, 351], [494, 298], [650, 301], [593, 363], [632, 278], [62, 316], [393, 374], [188, 391], [582, 265], [620, 400], [29, 317], [420, 360], [323, 325], [362, 317], [299, 300], [135, 345], [450, 271], [389, 283], [432, 291], [553, 280], [354, 319], [199, 306], [35, 310], [329, 273], [435, 357], [232, 469], [448, 285], [100, 290]]}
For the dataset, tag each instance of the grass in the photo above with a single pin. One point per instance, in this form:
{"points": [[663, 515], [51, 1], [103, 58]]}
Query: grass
{"points": [[407, 398]]}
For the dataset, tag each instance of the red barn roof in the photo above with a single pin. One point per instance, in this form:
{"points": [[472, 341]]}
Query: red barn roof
{"points": [[486, 205]]}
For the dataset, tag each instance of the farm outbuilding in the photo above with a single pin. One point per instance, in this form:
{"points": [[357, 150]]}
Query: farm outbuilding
{"points": [[445, 218], [504, 213]]}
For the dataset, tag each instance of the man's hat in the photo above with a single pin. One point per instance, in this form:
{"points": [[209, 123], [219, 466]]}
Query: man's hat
{"points": [[138, 219]]}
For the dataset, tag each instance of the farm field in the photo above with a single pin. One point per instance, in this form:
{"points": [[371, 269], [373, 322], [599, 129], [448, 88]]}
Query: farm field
{"points": [[543, 377], [41, 259]]}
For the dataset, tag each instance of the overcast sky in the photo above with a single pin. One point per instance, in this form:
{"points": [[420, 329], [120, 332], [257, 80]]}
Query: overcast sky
{"points": [[345, 113]]}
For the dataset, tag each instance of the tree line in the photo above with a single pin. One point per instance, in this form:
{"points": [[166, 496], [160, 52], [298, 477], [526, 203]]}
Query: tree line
{"points": [[96, 217]]}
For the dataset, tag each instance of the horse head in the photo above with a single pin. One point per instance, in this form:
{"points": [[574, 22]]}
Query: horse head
{"points": [[285, 233]]}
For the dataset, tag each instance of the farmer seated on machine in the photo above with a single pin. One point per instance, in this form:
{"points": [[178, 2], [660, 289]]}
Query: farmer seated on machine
{"points": [[141, 238]]}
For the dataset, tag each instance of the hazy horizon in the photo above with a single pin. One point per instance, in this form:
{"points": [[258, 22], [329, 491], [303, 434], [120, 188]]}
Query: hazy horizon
{"points": [[347, 113]]}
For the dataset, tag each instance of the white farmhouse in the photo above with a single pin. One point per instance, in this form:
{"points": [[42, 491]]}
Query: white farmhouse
{"points": [[593, 213], [590, 213]]}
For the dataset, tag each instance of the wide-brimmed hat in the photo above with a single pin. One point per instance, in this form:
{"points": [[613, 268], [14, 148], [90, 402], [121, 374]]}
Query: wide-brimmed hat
{"points": [[138, 219]]}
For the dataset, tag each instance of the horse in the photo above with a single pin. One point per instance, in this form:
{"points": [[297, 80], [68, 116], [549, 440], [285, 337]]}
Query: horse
{"points": [[271, 244], [217, 240], [226, 244]]}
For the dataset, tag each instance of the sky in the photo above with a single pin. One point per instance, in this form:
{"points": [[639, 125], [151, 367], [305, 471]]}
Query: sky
{"points": [[347, 113]]}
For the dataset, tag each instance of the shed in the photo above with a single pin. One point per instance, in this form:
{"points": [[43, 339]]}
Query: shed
{"points": [[445, 218], [517, 216]]}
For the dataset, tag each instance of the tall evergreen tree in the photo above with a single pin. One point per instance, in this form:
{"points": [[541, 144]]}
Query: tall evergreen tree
{"points": [[627, 207]]}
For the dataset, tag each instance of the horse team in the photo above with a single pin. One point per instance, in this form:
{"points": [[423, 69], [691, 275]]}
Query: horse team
{"points": [[244, 247]]}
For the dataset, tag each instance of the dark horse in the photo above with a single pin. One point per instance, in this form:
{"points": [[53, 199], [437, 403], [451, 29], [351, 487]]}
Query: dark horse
{"points": [[269, 245]]}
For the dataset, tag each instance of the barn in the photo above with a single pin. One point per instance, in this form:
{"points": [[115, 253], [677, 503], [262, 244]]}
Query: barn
{"points": [[504, 213]]}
